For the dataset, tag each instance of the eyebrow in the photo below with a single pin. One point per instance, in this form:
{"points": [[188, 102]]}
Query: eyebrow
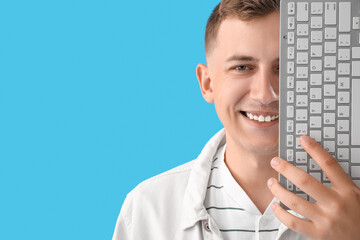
{"points": [[245, 58]]}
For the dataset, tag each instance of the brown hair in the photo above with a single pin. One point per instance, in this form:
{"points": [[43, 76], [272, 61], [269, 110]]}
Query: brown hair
{"points": [[244, 10]]}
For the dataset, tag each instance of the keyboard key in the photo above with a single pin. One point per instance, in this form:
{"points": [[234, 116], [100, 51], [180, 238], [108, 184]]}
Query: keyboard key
{"points": [[301, 86], [290, 67], [315, 93], [315, 122], [301, 101], [329, 146], [343, 139], [316, 65], [355, 66], [316, 135], [355, 52], [330, 61], [302, 57], [301, 114], [291, 38], [290, 155], [330, 13], [290, 82], [344, 16], [290, 111], [302, 72], [290, 96], [343, 83], [355, 116], [316, 22], [344, 54], [329, 132], [329, 118], [329, 76], [344, 40], [315, 108], [344, 68], [343, 153], [301, 128], [343, 125], [297, 144], [302, 29], [316, 51], [302, 44], [302, 12], [316, 36], [315, 79], [345, 166], [329, 90], [290, 141], [316, 8], [313, 165], [290, 125], [291, 52], [291, 8], [355, 171], [316, 175], [330, 33], [301, 157], [356, 22], [343, 111], [290, 185], [291, 23], [344, 97], [329, 104], [330, 47], [355, 155]]}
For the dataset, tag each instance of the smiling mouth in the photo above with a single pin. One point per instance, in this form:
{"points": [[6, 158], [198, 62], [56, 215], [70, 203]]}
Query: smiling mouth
{"points": [[260, 118]]}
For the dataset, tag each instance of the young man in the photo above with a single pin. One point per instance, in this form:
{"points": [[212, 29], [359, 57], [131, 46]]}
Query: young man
{"points": [[228, 191]]}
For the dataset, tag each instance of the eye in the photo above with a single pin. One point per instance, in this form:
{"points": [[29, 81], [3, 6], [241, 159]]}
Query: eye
{"points": [[242, 68]]}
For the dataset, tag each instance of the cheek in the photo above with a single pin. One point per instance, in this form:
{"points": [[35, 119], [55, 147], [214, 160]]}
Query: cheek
{"points": [[229, 98]]}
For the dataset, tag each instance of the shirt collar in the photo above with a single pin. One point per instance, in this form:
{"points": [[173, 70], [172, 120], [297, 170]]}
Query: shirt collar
{"points": [[195, 192], [193, 204]]}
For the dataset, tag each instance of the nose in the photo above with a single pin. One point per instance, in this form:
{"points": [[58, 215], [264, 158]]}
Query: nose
{"points": [[265, 86]]}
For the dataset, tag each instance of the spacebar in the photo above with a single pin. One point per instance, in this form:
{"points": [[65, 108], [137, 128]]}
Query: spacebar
{"points": [[355, 112]]}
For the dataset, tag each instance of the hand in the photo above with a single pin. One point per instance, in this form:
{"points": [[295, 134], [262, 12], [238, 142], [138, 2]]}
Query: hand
{"points": [[336, 213]]}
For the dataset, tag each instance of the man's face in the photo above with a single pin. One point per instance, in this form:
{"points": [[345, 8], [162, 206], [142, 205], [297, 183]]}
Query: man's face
{"points": [[244, 70]]}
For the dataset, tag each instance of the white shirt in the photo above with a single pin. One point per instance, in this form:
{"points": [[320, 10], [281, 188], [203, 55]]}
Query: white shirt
{"points": [[231, 208], [171, 205]]}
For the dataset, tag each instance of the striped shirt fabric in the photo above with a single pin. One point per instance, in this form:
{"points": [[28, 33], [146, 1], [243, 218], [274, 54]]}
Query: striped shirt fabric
{"points": [[233, 211]]}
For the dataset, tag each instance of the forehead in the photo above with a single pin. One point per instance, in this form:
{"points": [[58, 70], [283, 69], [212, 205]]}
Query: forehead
{"points": [[258, 37]]}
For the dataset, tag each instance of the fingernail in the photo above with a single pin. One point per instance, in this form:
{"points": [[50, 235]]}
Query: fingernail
{"points": [[270, 182], [275, 161], [273, 205]]}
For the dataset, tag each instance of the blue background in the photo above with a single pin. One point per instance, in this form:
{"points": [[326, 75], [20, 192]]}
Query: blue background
{"points": [[95, 97]]}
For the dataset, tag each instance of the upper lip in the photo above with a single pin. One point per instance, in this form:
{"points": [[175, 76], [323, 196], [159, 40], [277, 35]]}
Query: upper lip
{"points": [[258, 113]]}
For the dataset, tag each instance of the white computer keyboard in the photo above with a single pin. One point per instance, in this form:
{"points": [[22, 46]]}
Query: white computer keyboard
{"points": [[320, 84]]}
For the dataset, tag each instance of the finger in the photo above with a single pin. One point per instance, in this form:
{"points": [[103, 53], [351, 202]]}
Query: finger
{"points": [[297, 224], [302, 180], [292, 201], [328, 163]]}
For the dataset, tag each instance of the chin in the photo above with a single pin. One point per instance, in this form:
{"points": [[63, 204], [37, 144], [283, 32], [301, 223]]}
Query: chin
{"points": [[265, 146]]}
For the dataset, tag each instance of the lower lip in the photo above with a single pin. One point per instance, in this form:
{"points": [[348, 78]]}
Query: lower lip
{"points": [[260, 124]]}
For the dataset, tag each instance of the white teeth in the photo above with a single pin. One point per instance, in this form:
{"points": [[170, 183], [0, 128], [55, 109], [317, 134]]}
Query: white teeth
{"points": [[261, 118]]}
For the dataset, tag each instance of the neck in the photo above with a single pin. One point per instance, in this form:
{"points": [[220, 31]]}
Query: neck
{"points": [[251, 171]]}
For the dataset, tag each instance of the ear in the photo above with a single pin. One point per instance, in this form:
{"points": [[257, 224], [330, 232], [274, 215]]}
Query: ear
{"points": [[206, 85]]}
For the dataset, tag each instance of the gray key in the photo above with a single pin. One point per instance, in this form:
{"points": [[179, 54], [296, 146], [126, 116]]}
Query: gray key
{"points": [[355, 116]]}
